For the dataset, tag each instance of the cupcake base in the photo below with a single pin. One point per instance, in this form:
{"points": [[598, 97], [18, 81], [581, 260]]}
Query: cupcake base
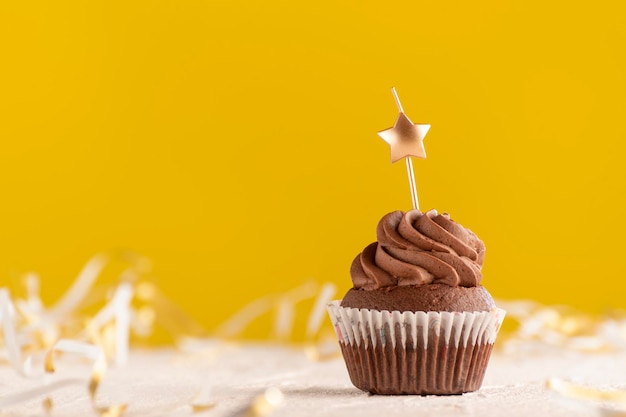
{"points": [[419, 353], [444, 370]]}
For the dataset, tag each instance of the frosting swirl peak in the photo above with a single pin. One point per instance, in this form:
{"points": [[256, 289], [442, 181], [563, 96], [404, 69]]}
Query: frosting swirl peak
{"points": [[416, 248]]}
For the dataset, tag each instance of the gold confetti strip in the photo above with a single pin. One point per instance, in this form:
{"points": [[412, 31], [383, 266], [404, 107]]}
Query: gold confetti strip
{"points": [[285, 309], [96, 354], [9, 332], [236, 324], [80, 287], [143, 321], [561, 327], [318, 312], [202, 401], [134, 305], [37, 327], [608, 403], [113, 411], [47, 405], [262, 405], [209, 349], [198, 408], [113, 337], [159, 308], [283, 306], [30, 330], [325, 349], [581, 392]]}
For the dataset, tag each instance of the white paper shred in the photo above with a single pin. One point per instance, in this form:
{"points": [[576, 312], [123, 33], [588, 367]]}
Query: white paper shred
{"points": [[318, 311], [11, 344]]}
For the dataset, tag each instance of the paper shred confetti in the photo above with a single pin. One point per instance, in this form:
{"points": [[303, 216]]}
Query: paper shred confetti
{"points": [[117, 309], [29, 330], [263, 404], [203, 401], [133, 304], [209, 349], [284, 316], [599, 401], [198, 408], [167, 313], [285, 310], [9, 333], [95, 353], [79, 289], [324, 349], [236, 324], [581, 392], [47, 405], [283, 304], [540, 326], [143, 320], [32, 333], [31, 282], [114, 411], [318, 312]]}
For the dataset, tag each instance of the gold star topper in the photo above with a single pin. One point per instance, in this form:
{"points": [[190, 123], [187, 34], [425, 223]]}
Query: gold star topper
{"points": [[406, 139]]}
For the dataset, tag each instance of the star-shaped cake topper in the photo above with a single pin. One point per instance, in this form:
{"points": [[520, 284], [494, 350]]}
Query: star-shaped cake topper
{"points": [[405, 138]]}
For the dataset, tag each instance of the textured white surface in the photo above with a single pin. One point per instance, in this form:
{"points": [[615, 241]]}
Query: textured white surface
{"points": [[163, 383]]}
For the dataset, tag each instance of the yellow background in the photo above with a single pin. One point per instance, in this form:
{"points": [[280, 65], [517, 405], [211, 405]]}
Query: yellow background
{"points": [[234, 143]]}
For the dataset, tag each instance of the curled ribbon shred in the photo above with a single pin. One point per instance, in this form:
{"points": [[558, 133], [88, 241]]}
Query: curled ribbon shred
{"points": [[31, 333]]}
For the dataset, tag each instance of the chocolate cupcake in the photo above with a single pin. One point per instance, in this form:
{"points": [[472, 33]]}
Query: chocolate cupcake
{"points": [[417, 320]]}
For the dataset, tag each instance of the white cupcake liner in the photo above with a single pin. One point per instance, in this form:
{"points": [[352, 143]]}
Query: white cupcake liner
{"points": [[357, 326], [393, 352]]}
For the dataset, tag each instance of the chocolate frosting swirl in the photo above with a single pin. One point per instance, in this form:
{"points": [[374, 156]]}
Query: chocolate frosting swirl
{"points": [[416, 248]]}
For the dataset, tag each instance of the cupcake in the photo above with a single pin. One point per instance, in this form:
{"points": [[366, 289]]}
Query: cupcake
{"points": [[417, 320]]}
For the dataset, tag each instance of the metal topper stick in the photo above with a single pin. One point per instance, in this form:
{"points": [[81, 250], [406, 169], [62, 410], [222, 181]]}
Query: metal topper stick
{"points": [[406, 139]]}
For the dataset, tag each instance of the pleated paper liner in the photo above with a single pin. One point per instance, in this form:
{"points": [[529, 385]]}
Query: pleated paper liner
{"points": [[415, 353]]}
